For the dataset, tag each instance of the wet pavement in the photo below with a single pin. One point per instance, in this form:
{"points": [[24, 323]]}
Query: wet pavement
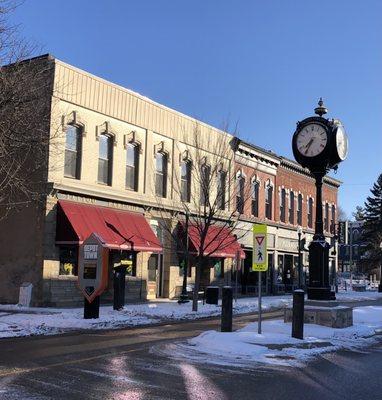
{"points": [[122, 365]]}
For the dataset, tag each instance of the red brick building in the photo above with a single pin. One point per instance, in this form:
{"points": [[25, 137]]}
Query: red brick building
{"points": [[280, 193]]}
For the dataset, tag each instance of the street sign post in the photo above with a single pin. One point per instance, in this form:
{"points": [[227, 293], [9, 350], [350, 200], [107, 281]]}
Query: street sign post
{"points": [[259, 259]]}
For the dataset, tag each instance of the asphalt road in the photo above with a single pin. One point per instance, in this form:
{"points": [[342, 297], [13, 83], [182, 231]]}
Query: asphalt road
{"points": [[121, 365]]}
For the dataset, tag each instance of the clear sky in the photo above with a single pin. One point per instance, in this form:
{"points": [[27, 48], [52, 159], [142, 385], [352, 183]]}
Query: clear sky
{"points": [[260, 64]]}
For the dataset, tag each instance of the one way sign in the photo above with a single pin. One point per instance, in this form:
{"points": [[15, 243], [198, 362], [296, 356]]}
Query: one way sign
{"points": [[259, 256]]}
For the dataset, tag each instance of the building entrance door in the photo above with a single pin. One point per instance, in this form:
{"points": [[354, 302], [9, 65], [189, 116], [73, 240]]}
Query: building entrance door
{"points": [[288, 271], [155, 275]]}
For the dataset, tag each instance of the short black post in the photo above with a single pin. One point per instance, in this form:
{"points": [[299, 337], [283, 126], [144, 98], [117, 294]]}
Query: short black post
{"points": [[91, 310], [119, 287], [298, 314], [226, 322]]}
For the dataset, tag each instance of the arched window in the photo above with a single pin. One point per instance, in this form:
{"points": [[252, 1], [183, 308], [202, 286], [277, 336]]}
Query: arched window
{"points": [[282, 205], [205, 184], [132, 166], [105, 159], [310, 212], [291, 208], [221, 192], [333, 221], [161, 174], [255, 198], [240, 185], [73, 149], [268, 201], [185, 181], [299, 209], [326, 218]]}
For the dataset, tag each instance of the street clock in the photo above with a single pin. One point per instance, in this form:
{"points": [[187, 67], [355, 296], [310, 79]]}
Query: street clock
{"points": [[319, 144]]}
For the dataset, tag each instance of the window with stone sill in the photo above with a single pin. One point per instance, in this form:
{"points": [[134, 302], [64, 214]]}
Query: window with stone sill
{"points": [[221, 192], [255, 198], [282, 205], [299, 209], [268, 201], [291, 208], [185, 181], [105, 159], [205, 185], [240, 186], [73, 152], [161, 162], [132, 166]]}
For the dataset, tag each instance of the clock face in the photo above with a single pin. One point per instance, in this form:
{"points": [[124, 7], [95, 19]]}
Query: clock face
{"points": [[312, 140], [341, 143]]}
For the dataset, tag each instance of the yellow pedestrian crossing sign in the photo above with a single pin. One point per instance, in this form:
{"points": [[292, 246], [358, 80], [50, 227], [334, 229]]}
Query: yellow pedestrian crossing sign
{"points": [[259, 256]]}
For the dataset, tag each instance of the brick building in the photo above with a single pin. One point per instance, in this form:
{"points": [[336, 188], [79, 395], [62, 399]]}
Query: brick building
{"points": [[117, 152], [282, 195]]}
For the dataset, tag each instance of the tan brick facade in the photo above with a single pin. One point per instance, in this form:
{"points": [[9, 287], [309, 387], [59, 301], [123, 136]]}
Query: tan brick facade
{"points": [[96, 106]]}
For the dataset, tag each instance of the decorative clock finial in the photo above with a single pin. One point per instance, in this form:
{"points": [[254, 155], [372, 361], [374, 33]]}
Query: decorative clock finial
{"points": [[321, 109]]}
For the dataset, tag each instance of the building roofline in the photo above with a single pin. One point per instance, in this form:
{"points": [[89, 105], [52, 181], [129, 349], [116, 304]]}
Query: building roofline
{"points": [[236, 142], [287, 162]]}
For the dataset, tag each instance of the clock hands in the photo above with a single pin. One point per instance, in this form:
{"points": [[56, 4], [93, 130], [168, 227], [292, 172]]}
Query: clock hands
{"points": [[308, 145]]}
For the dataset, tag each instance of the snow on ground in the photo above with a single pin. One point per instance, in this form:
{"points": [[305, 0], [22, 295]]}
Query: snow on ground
{"points": [[246, 348], [23, 321], [358, 296]]}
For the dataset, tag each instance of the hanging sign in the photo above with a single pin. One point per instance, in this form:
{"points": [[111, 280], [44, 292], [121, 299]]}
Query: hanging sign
{"points": [[259, 257]]}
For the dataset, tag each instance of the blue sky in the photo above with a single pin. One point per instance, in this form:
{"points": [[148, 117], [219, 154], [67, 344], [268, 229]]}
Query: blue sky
{"points": [[259, 64]]}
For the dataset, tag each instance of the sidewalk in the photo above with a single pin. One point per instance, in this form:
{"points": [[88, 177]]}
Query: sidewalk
{"points": [[22, 321]]}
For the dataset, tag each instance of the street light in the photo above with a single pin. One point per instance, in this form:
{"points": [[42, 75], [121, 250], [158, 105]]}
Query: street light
{"points": [[183, 298], [299, 233]]}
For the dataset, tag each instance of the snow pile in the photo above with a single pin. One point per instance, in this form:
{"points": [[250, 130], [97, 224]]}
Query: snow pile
{"points": [[246, 348], [23, 321]]}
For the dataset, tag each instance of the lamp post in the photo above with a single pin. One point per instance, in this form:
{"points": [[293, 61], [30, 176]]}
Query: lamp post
{"points": [[183, 298], [299, 233]]}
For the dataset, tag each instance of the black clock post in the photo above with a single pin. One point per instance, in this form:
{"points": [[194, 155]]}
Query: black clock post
{"points": [[319, 287], [319, 145]]}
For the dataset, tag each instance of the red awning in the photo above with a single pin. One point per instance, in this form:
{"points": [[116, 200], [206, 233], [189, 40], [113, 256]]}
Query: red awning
{"points": [[220, 242], [119, 229]]}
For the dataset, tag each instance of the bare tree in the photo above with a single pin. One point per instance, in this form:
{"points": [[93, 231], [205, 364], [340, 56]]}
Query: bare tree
{"points": [[342, 216], [206, 189], [25, 92]]}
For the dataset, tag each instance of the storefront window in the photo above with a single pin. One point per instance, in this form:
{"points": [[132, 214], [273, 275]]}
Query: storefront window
{"points": [[126, 258], [68, 260]]}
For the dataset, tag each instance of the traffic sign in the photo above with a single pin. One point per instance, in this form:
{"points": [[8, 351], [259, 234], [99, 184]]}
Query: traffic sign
{"points": [[259, 257]]}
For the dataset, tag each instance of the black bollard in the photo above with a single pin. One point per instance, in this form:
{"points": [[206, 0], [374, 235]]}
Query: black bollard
{"points": [[91, 310], [119, 287], [298, 314], [226, 322]]}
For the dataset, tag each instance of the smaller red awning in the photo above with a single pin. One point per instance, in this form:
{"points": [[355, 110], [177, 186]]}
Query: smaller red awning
{"points": [[119, 229], [220, 242]]}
